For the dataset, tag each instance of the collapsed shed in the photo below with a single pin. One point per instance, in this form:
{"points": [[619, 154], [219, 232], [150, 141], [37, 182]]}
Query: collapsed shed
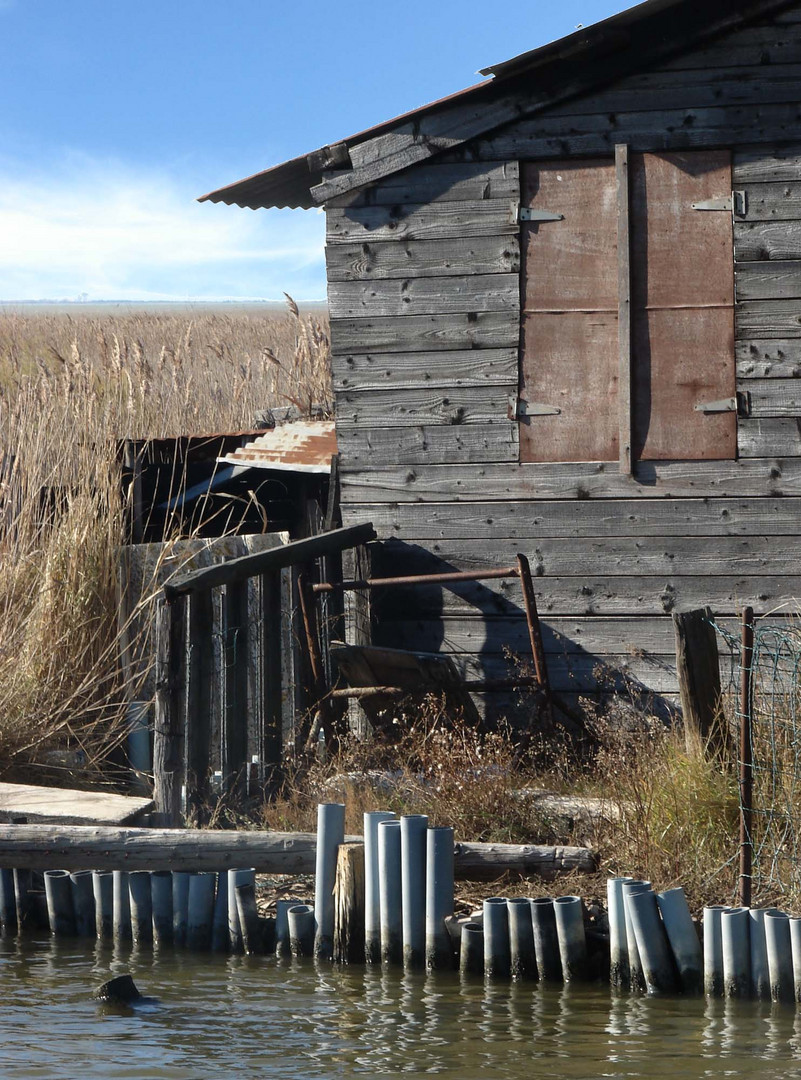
{"points": [[566, 320]]}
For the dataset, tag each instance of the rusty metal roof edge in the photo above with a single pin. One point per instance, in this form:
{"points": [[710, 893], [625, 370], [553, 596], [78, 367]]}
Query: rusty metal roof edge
{"points": [[277, 466], [289, 183]]}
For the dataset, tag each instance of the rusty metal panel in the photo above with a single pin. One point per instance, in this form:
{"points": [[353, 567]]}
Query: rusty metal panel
{"points": [[683, 306], [299, 446], [569, 349]]}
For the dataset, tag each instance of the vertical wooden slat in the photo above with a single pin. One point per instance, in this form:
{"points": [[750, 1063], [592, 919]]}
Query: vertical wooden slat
{"points": [[200, 666], [235, 685], [623, 307], [168, 742], [271, 748]]}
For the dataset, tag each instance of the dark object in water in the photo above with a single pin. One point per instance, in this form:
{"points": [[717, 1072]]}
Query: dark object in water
{"points": [[120, 991]]}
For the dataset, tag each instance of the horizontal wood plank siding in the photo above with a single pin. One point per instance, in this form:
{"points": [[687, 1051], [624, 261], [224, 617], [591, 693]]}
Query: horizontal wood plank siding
{"points": [[423, 273]]}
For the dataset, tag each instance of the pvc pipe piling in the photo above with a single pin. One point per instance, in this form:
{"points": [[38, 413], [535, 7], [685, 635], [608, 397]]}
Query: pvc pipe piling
{"points": [[413, 887], [546, 940], [780, 958], [652, 943], [60, 910], [471, 949], [713, 950], [302, 935], [180, 906], [83, 901], [439, 897], [736, 948], [760, 977], [8, 902], [389, 863], [372, 892], [200, 909], [235, 878], [618, 949], [683, 939], [282, 926], [122, 906], [103, 888], [330, 834], [220, 935], [636, 974], [141, 907], [497, 955], [22, 897], [161, 897], [795, 948], [569, 912], [248, 917], [523, 961]]}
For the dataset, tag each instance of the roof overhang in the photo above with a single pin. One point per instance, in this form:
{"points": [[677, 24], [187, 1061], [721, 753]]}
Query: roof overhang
{"points": [[527, 84]]}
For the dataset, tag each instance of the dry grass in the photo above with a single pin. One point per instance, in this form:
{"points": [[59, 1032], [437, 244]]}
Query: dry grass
{"points": [[70, 387]]}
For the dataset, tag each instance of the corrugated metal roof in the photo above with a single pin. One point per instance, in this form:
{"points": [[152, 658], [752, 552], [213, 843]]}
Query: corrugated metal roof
{"points": [[558, 64], [300, 446]]}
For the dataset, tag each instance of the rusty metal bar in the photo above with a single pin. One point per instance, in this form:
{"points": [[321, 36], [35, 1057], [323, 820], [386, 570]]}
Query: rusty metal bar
{"points": [[417, 579], [746, 758]]}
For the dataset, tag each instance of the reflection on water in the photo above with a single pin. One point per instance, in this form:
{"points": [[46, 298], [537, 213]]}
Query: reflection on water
{"points": [[254, 1018]]}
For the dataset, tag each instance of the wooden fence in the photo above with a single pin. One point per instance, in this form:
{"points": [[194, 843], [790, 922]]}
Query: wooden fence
{"points": [[182, 745]]}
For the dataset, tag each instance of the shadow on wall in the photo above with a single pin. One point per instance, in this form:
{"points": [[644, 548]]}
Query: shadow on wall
{"points": [[482, 626]]}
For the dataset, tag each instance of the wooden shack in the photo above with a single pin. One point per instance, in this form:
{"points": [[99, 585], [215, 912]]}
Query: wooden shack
{"points": [[566, 320]]}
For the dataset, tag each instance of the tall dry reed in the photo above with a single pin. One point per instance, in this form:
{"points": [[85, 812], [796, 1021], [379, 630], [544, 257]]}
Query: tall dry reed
{"points": [[71, 387]]}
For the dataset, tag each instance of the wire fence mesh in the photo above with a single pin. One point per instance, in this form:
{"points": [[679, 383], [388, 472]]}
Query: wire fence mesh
{"points": [[774, 705]]}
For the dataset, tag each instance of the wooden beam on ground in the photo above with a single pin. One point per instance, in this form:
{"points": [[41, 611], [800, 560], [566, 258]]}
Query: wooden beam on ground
{"points": [[263, 562], [74, 847]]}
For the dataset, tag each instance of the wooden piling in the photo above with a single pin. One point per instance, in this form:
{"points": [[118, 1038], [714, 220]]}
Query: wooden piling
{"points": [[349, 904], [168, 740], [698, 669]]}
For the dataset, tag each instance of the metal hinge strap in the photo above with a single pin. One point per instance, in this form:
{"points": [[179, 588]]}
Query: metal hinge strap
{"points": [[528, 213], [518, 408], [736, 203]]}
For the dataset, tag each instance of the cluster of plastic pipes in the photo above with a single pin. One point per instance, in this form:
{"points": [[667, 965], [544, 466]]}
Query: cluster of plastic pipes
{"points": [[196, 910], [752, 952]]}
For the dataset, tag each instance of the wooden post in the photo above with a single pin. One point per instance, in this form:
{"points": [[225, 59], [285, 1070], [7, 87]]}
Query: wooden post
{"points": [[168, 741], [132, 454], [349, 905], [200, 666], [746, 759], [698, 669], [623, 309], [272, 743], [235, 686]]}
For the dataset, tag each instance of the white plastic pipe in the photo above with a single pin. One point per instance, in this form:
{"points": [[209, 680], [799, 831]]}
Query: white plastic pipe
{"points": [[497, 957], [301, 929], [161, 899], [795, 947], [83, 901], [122, 907], [330, 834], [546, 940], [141, 907], [372, 892], [413, 887], [683, 938], [760, 976], [780, 956], [713, 950], [618, 948], [249, 925], [103, 888], [282, 926], [569, 912], [471, 950], [200, 910], [220, 935], [60, 910], [736, 948], [521, 939], [245, 876], [636, 976], [180, 906], [8, 903], [439, 897], [389, 864]]}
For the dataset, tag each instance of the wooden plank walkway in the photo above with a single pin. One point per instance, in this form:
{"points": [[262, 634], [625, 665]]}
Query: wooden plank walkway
{"points": [[63, 806]]}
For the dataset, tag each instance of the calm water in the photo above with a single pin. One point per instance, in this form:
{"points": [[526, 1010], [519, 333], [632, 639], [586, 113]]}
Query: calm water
{"points": [[253, 1018]]}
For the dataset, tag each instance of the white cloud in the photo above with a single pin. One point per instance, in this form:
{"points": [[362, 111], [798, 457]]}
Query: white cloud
{"points": [[114, 232]]}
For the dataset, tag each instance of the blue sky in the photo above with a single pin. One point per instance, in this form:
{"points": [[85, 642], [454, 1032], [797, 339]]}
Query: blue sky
{"points": [[117, 114]]}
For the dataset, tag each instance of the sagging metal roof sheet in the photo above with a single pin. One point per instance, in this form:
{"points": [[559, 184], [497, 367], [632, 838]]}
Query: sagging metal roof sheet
{"points": [[301, 446], [676, 25]]}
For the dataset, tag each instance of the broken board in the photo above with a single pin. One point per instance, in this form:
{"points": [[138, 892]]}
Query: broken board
{"points": [[64, 806]]}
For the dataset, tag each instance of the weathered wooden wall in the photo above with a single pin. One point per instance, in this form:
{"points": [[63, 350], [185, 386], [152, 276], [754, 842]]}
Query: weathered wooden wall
{"points": [[425, 316]]}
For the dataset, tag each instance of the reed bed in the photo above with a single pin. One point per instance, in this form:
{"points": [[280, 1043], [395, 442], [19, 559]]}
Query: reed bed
{"points": [[71, 386]]}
